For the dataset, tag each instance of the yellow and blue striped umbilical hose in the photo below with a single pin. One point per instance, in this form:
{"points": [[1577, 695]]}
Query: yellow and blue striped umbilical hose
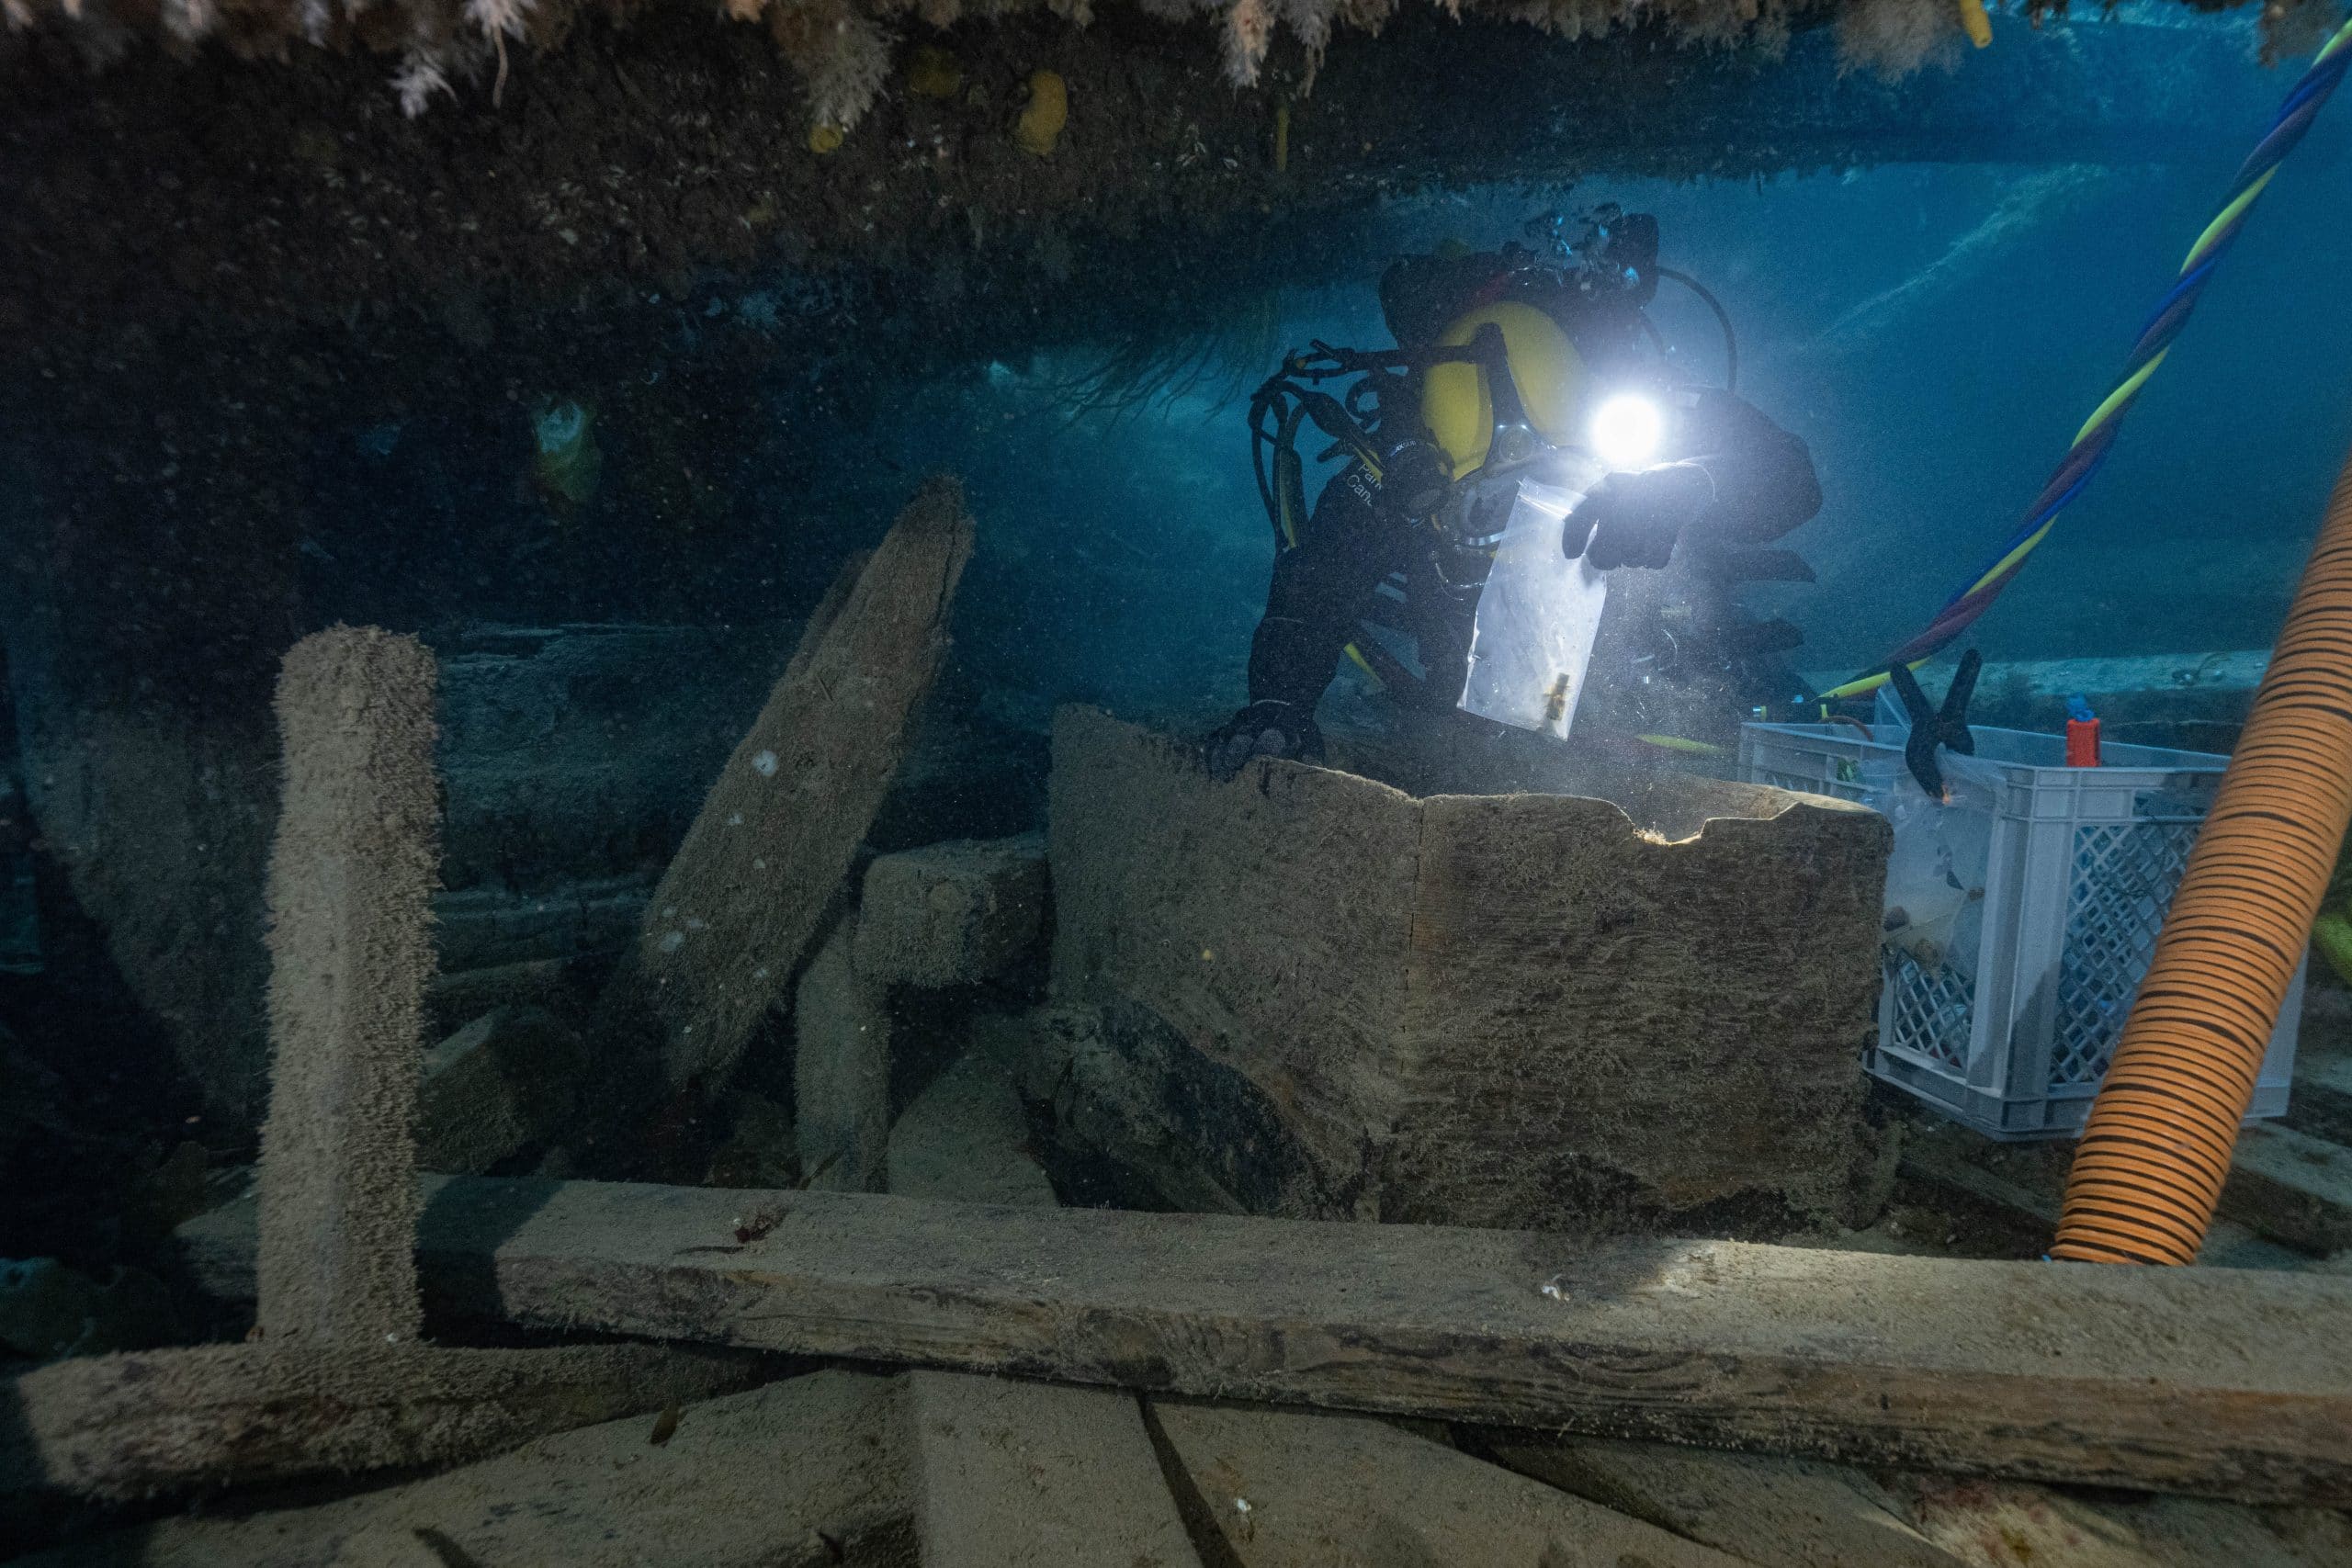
{"points": [[2093, 442]]}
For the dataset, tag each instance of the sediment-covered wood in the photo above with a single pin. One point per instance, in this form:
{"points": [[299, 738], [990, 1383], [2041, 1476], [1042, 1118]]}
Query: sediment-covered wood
{"points": [[1478, 1009], [2291, 1187], [453, 1001], [131, 1425], [1118, 1083], [1011, 1473], [1652, 1026], [1303, 1489], [952, 914], [1996, 1524], [966, 1138], [762, 864], [2225, 1383], [1765, 1509], [841, 1071], [2321, 1103], [1263, 923], [808, 1473], [499, 1086], [2288, 1186], [351, 879]]}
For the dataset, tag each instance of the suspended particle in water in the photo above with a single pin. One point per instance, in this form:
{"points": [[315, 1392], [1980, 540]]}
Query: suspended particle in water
{"points": [[764, 765], [673, 941]]}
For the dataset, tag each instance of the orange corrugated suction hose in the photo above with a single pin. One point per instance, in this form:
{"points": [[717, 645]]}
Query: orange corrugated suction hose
{"points": [[2156, 1148]]}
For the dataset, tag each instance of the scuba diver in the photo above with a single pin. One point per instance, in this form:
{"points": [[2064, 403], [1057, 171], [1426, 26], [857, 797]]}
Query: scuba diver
{"points": [[1527, 388]]}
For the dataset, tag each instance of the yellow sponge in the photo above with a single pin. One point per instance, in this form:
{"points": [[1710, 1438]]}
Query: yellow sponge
{"points": [[1040, 125], [932, 73]]}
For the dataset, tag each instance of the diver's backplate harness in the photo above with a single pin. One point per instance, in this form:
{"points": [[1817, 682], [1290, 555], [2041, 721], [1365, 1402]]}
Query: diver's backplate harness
{"points": [[1607, 270], [1414, 475]]}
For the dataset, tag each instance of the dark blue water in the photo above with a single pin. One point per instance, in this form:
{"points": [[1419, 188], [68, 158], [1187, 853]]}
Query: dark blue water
{"points": [[1935, 333]]}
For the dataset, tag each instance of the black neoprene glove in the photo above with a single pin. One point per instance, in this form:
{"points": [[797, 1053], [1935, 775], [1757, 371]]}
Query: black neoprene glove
{"points": [[1266, 728], [1634, 519]]}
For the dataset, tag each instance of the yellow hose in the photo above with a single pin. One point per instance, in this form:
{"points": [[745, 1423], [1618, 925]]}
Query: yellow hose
{"points": [[2157, 1146]]}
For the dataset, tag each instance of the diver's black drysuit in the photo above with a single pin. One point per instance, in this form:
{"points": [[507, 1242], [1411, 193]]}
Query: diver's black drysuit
{"points": [[1329, 582]]}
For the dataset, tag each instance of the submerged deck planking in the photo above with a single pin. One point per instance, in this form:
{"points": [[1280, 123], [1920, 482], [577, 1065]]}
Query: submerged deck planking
{"points": [[2222, 1382]]}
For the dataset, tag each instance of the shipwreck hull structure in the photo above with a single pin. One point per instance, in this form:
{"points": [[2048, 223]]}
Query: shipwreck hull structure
{"points": [[1296, 1171]]}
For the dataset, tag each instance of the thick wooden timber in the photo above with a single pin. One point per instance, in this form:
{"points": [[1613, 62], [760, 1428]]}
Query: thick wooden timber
{"points": [[152, 1421], [2223, 1382]]}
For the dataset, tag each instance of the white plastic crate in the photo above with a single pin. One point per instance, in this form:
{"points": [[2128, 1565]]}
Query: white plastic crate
{"points": [[2011, 1033]]}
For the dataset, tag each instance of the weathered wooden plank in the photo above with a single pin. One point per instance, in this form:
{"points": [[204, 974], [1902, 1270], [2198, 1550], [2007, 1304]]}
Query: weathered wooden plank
{"points": [[803, 1474], [2321, 1105], [1010, 1473], [1016, 1475], [2291, 1188], [495, 1088], [841, 1071], [1771, 1511], [1309, 1490], [952, 914], [2220, 1382], [1982, 1524], [453, 1001], [1568, 987], [1263, 923], [760, 868], [336, 1380], [160, 1420], [1471, 1009], [965, 1138]]}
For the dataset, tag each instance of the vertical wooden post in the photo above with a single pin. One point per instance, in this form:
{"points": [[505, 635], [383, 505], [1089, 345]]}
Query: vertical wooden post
{"points": [[351, 875], [841, 1070]]}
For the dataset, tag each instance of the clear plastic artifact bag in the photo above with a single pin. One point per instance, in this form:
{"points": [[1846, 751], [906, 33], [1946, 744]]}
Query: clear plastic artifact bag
{"points": [[1936, 872], [1532, 641]]}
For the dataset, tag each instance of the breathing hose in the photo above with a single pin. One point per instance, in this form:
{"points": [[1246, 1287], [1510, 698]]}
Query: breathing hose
{"points": [[2157, 1146], [1723, 320]]}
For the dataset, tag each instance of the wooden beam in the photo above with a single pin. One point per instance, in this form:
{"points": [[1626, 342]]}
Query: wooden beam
{"points": [[2006, 1525], [1763, 1509], [1008, 1474], [1305, 1490], [2291, 1188], [750, 887], [2225, 1383], [952, 914], [2322, 1102], [131, 1425], [841, 1070], [805, 1472]]}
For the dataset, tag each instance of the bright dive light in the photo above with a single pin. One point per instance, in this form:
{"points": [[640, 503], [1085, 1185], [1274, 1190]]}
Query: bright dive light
{"points": [[1627, 432]]}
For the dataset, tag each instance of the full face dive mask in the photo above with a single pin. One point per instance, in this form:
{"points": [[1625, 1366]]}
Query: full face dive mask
{"points": [[1531, 638]]}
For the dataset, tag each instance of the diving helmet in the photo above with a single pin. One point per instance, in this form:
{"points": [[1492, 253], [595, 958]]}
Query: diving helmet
{"points": [[1466, 414]]}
